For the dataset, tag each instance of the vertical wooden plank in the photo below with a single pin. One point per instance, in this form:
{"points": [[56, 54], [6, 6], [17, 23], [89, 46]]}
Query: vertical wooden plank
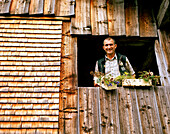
{"points": [[80, 24], [49, 7], [99, 21], [164, 37], [36, 7], [65, 7], [148, 111], [5, 6], [109, 112], [165, 77], [20, 7], [88, 104], [162, 11], [116, 17], [128, 114], [163, 99], [68, 88], [146, 20], [132, 21]]}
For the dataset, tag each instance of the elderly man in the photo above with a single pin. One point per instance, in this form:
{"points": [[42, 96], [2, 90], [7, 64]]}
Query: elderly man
{"points": [[113, 63]]}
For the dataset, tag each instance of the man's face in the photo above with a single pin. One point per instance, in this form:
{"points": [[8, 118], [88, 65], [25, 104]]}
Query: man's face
{"points": [[109, 46]]}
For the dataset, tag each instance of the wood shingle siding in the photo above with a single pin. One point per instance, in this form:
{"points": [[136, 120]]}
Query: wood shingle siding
{"points": [[30, 54]]}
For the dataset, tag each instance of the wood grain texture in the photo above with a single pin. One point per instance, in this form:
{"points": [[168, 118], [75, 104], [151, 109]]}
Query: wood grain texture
{"points": [[146, 20], [99, 21], [5, 6], [132, 18], [20, 7], [49, 7], [161, 61], [30, 75], [80, 24], [116, 17], [36, 7], [65, 7]]}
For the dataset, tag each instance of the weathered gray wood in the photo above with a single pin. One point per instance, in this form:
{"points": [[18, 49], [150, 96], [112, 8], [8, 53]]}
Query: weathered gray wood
{"points": [[116, 17], [5, 6], [163, 101], [20, 7], [49, 7], [128, 111], [132, 20], [99, 21], [162, 11], [36, 7], [80, 24], [109, 111], [65, 7], [147, 21], [149, 114], [164, 37], [89, 116], [164, 74]]}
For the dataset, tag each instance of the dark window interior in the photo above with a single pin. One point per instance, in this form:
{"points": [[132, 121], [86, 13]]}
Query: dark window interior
{"points": [[140, 52]]}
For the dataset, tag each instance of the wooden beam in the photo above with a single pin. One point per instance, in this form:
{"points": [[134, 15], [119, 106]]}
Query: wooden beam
{"points": [[164, 74], [165, 42], [162, 11], [36, 18]]}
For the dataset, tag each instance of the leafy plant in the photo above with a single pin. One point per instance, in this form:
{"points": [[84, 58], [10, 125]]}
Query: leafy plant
{"points": [[109, 80], [146, 76]]}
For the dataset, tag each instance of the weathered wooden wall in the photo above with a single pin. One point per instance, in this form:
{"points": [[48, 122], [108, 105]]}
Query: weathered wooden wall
{"points": [[92, 17], [68, 88], [124, 111], [30, 54]]}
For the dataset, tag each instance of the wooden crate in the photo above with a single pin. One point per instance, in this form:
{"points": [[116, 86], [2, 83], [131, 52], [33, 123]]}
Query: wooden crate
{"points": [[136, 82]]}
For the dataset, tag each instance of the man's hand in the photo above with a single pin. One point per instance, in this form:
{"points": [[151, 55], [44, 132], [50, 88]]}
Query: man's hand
{"points": [[95, 84]]}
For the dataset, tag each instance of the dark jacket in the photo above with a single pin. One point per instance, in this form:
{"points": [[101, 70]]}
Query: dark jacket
{"points": [[120, 59]]}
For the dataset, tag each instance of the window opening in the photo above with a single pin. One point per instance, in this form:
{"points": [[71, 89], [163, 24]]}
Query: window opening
{"points": [[140, 53]]}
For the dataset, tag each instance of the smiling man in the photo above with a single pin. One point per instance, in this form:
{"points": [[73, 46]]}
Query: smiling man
{"points": [[113, 63]]}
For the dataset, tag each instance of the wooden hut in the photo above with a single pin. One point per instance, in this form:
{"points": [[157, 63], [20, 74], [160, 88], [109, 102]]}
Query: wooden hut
{"points": [[47, 49]]}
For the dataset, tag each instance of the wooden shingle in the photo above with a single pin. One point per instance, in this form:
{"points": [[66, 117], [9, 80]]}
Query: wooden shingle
{"points": [[30, 75]]}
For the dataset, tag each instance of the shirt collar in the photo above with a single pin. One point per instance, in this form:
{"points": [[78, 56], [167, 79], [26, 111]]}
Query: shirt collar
{"points": [[115, 57]]}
